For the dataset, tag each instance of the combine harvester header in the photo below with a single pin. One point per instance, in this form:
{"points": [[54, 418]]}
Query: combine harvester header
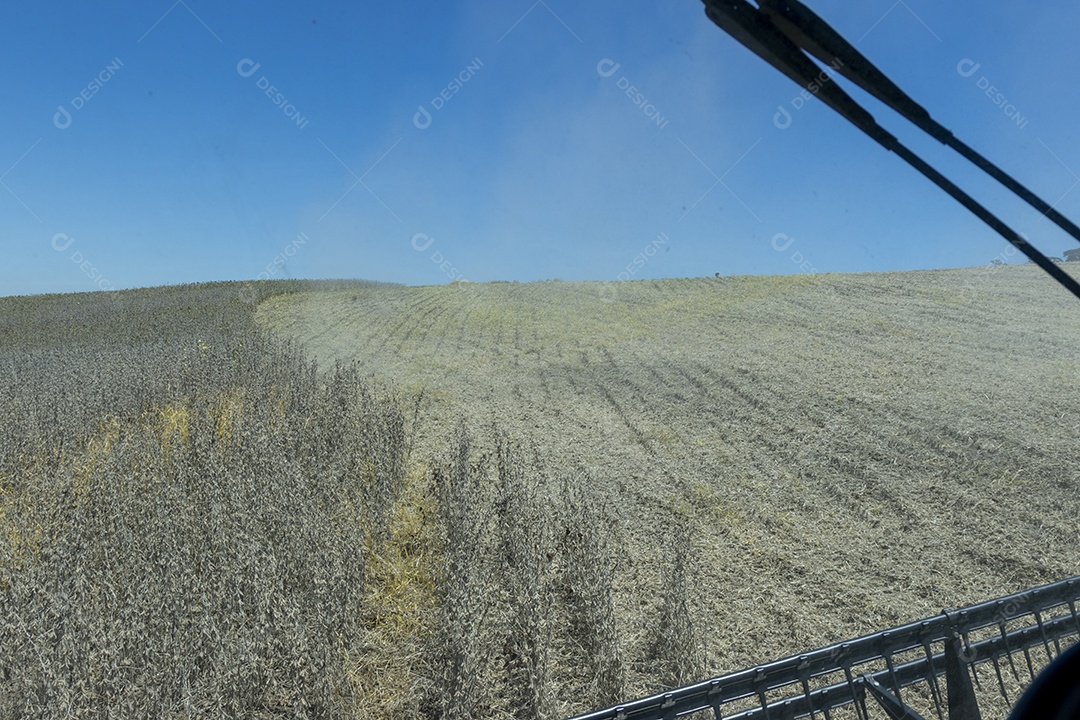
{"points": [[939, 657]]}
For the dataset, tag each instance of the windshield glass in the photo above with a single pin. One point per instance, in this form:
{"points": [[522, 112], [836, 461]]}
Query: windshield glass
{"points": [[519, 360]]}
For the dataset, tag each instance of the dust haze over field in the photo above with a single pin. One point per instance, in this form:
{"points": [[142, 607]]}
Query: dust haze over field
{"points": [[845, 452]]}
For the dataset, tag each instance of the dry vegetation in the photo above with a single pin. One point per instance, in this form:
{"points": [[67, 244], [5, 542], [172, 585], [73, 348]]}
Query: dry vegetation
{"points": [[184, 505], [512, 500], [829, 455]]}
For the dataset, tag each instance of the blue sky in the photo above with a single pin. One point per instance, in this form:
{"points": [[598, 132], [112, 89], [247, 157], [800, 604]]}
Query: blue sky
{"points": [[167, 142]]}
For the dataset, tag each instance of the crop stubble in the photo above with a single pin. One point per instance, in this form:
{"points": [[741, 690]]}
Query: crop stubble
{"points": [[844, 452]]}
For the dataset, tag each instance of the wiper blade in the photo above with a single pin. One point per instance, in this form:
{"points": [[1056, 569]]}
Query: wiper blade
{"points": [[817, 37], [757, 32], [780, 31]]}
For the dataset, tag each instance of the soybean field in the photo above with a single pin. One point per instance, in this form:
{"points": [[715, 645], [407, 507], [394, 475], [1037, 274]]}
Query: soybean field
{"points": [[779, 462], [361, 500]]}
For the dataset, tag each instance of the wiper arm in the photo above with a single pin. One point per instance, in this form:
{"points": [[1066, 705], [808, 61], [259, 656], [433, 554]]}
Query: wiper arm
{"points": [[817, 37], [782, 47], [757, 32]]}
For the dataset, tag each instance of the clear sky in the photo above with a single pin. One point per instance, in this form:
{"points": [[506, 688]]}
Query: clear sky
{"points": [[173, 141]]}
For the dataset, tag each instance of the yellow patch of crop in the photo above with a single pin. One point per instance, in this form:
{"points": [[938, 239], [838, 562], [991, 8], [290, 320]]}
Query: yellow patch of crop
{"points": [[21, 542], [226, 414], [98, 447], [277, 401], [174, 425], [717, 508], [108, 434], [661, 435], [401, 594], [171, 427], [403, 565]]}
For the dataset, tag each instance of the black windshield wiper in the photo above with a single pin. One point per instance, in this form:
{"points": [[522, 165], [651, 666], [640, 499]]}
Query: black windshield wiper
{"points": [[783, 32]]}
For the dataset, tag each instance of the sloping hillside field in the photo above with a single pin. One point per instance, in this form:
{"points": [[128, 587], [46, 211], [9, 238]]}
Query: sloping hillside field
{"points": [[832, 454], [513, 500]]}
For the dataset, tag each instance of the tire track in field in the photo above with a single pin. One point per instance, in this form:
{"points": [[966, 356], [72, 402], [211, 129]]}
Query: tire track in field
{"points": [[411, 323], [628, 383], [423, 326], [624, 416], [402, 315], [654, 398], [879, 419], [378, 326], [455, 311], [760, 409], [594, 420], [820, 421], [364, 333], [754, 422], [729, 402], [465, 338], [355, 320], [877, 462], [812, 428], [959, 449], [815, 478], [735, 409], [373, 315]]}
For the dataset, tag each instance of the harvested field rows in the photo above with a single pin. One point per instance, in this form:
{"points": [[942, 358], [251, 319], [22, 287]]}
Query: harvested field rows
{"points": [[847, 452]]}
